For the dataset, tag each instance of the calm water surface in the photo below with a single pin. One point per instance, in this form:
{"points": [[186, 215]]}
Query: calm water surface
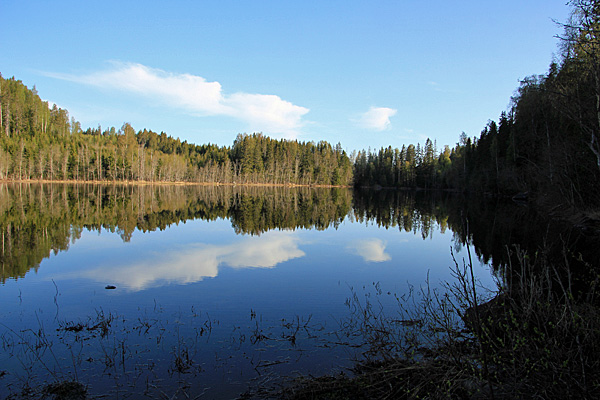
{"points": [[216, 288]]}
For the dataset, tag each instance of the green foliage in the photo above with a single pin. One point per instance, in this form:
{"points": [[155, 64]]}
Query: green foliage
{"points": [[410, 167], [41, 143], [257, 158], [547, 144]]}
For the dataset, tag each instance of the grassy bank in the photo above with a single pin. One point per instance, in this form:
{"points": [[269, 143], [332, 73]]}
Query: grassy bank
{"points": [[533, 337]]}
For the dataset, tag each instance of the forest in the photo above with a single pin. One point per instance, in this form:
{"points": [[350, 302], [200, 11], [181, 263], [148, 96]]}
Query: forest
{"points": [[545, 146], [39, 142]]}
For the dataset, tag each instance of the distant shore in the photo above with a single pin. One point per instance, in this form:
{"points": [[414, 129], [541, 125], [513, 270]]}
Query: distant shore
{"points": [[163, 183]]}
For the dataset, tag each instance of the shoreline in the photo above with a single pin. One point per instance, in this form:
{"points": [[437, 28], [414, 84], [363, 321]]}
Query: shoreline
{"points": [[161, 183]]}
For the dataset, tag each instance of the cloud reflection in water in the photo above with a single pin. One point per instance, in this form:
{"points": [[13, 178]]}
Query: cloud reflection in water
{"points": [[196, 262], [371, 250]]}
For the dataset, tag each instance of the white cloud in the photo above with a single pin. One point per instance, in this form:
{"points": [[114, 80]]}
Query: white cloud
{"points": [[265, 251], [377, 118], [371, 250], [201, 261], [266, 113]]}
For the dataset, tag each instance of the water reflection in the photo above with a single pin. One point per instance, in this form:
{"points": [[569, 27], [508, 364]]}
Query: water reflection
{"points": [[320, 240], [371, 250], [38, 220], [195, 262]]}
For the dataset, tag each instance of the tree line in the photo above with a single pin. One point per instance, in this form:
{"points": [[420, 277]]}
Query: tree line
{"points": [[409, 167], [41, 142], [547, 144]]}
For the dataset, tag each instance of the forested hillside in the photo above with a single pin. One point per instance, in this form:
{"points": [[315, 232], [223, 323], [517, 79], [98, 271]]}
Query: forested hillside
{"points": [[37, 220], [40, 142], [546, 144]]}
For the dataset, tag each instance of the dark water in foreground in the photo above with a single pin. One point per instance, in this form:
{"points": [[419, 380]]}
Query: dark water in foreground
{"points": [[216, 288]]}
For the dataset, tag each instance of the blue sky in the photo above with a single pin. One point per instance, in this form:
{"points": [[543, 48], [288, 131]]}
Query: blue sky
{"points": [[365, 74]]}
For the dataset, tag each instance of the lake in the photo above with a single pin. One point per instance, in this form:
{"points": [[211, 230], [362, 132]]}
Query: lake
{"points": [[154, 291]]}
